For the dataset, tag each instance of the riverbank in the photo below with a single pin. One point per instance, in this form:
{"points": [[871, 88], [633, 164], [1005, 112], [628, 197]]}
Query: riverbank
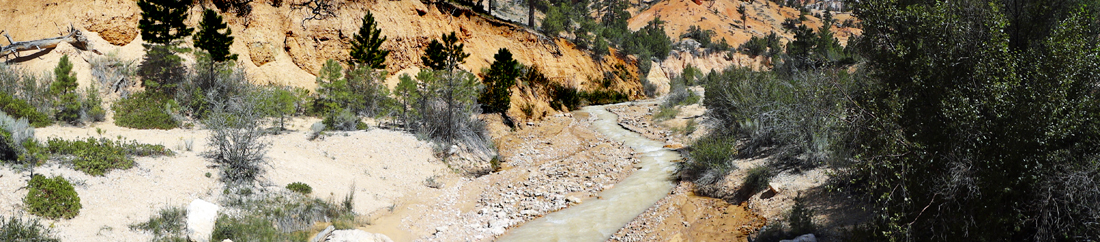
{"points": [[546, 167]]}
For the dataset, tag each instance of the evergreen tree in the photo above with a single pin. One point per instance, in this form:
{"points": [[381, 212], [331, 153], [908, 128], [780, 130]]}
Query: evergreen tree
{"points": [[64, 87], [366, 47], [162, 20], [211, 39], [496, 98], [446, 55]]}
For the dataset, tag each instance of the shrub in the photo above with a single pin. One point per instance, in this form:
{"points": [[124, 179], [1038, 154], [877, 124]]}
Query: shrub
{"points": [[756, 180], [93, 105], [161, 71], [299, 188], [665, 113], [709, 159], [113, 72], [15, 228], [97, 157], [342, 121], [21, 109], [64, 88], [146, 110], [51, 198], [279, 217], [168, 224], [236, 138], [564, 98]]}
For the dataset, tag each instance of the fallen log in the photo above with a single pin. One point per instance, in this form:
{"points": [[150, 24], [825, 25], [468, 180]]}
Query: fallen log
{"points": [[74, 38]]}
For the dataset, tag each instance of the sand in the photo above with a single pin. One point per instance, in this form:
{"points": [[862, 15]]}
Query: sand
{"points": [[381, 165]]}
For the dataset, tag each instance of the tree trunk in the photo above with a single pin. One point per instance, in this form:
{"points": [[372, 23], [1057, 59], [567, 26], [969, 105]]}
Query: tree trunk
{"points": [[75, 38], [531, 13]]}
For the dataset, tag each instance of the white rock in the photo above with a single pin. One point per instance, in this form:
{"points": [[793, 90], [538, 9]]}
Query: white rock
{"points": [[355, 235], [572, 199], [440, 229], [201, 216], [802, 238]]}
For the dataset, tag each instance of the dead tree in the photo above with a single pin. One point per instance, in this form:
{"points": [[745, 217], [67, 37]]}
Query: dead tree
{"points": [[319, 9], [74, 38]]}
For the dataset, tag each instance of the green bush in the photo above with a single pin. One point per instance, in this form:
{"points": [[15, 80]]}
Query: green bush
{"points": [[709, 159], [299, 188], [51, 198], [93, 105], [146, 110], [343, 120], [97, 157], [502, 74], [756, 180], [18, 229], [665, 113], [167, 225], [279, 217], [21, 109], [564, 98]]}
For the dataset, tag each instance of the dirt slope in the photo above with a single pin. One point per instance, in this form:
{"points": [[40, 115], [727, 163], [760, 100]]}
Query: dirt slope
{"points": [[276, 46]]}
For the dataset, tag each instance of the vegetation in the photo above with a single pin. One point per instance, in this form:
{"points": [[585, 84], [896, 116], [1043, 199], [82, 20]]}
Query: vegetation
{"points": [[97, 157], [169, 224], [299, 188], [162, 21], [21, 109], [366, 46], [64, 88], [17, 143], [236, 138], [211, 39], [15, 228], [358, 91], [502, 74], [993, 143], [146, 110], [51, 198], [281, 217]]}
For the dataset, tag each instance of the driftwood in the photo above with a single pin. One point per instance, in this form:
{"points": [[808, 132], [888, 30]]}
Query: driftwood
{"points": [[74, 38]]}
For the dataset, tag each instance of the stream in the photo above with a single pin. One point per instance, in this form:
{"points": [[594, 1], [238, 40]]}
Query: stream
{"points": [[598, 219]]}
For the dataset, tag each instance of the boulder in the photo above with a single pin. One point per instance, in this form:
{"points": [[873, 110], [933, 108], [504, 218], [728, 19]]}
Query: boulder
{"points": [[802, 238], [201, 216], [355, 235]]}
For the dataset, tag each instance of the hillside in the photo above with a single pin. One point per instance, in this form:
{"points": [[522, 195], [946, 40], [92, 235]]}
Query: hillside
{"points": [[276, 45]]}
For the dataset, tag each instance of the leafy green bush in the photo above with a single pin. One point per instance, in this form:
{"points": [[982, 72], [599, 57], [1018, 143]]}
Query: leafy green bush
{"points": [[15, 228], [280, 217], [97, 157], [168, 224], [564, 98], [146, 110], [651, 40], [51, 198], [93, 105], [756, 180], [709, 159], [21, 109], [299, 188], [665, 113], [342, 120]]}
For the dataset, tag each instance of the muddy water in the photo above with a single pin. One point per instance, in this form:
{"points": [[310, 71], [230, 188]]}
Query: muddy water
{"points": [[598, 219]]}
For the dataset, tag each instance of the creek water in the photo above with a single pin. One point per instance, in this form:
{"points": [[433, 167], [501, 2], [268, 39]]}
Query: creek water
{"points": [[598, 219]]}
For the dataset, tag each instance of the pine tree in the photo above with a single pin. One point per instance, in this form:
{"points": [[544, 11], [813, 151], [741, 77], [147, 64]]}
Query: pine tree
{"points": [[64, 87], [211, 39], [497, 96], [366, 48], [162, 20], [446, 55]]}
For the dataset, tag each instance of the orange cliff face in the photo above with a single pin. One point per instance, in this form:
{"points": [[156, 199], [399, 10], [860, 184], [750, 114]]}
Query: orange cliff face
{"points": [[277, 45]]}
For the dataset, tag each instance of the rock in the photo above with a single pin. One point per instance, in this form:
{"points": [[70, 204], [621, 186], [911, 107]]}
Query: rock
{"points": [[674, 146], [261, 52], [572, 199], [201, 216], [775, 187], [802, 238], [323, 234], [227, 240], [440, 229], [355, 235]]}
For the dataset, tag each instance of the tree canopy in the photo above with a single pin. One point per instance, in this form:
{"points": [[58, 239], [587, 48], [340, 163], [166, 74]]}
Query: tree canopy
{"points": [[366, 46], [211, 38], [162, 20]]}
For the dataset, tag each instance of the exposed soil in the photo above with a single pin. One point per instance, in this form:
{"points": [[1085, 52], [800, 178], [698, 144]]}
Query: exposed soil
{"points": [[547, 166]]}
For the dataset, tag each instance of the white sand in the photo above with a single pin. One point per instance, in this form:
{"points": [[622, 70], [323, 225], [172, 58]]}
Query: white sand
{"points": [[382, 165]]}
